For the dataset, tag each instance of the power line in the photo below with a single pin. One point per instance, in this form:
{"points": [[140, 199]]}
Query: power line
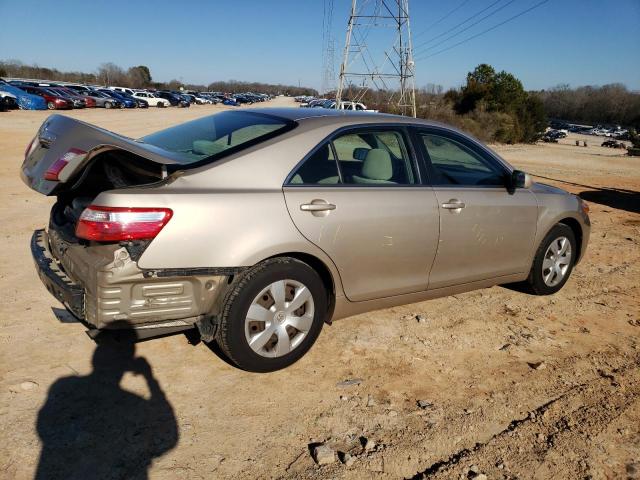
{"points": [[485, 31], [458, 25], [447, 15], [502, 7]]}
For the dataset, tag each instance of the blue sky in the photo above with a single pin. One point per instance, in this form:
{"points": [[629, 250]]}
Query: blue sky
{"points": [[579, 42]]}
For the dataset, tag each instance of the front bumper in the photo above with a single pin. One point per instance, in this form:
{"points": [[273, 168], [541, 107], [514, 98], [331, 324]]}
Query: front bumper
{"points": [[103, 286]]}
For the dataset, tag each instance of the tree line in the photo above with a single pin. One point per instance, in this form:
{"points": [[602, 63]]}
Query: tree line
{"points": [[140, 77], [611, 104], [494, 106]]}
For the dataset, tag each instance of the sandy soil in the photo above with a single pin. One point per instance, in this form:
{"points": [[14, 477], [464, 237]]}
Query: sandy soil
{"points": [[460, 394]]}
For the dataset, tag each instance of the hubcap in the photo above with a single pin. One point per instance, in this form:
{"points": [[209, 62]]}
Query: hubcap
{"points": [[279, 318], [556, 261]]}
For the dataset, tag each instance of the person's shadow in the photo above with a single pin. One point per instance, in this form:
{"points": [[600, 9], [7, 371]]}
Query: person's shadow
{"points": [[92, 428]]}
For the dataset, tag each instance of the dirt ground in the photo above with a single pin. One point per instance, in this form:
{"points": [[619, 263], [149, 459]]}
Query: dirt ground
{"points": [[493, 382]]}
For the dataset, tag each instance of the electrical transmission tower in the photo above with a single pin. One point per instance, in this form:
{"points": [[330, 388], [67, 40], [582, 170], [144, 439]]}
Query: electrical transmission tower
{"points": [[328, 50], [328, 83], [329, 70], [393, 72]]}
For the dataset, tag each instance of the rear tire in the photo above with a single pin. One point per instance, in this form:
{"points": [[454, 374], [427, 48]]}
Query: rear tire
{"points": [[272, 315], [160, 104], [51, 105], [553, 262]]}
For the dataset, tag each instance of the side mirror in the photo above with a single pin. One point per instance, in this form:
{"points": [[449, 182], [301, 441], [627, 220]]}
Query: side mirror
{"points": [[520, 179]]}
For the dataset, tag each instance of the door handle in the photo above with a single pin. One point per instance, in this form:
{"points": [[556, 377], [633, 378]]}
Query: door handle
{"points": [[453, 204], [317, 207]]}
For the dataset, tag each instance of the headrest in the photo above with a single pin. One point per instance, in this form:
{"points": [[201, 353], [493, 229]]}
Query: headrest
{"points": [[377, 165]]}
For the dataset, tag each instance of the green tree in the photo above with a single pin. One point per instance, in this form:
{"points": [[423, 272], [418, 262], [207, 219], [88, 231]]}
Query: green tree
{"points": [[519, 116], [506, 94], [140, 76]]}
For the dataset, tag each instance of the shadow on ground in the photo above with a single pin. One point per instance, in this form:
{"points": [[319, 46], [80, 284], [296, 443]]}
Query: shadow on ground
{"points": [[91, 428], [627, 200]]}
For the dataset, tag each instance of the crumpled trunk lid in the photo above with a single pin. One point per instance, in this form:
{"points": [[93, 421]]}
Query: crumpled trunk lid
{"points": [[59, 135]]}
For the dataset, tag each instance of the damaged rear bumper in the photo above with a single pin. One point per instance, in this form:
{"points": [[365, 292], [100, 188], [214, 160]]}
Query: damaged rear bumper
{"points": [[53, 277], [103, 286]]}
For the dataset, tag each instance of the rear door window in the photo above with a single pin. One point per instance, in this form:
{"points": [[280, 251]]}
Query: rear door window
{"points": [[362, 157], [374, 157]]}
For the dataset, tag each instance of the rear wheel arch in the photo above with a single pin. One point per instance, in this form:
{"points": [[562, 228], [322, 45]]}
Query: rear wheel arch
{"points": [[322, 270], [233, 334]]}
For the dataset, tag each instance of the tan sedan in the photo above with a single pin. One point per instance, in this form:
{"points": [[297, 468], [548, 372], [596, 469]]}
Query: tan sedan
{"points": [[258, 226]]}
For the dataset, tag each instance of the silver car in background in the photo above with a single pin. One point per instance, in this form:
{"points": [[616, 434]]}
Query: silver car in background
{"points": [[258, 226]]}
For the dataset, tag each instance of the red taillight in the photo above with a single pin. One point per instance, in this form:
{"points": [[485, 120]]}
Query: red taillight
{"points": [[114, 224], [53, 172]]}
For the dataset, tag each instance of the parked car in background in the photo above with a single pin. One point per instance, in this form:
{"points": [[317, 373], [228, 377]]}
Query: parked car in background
{"points": [[242, 98], [26, 101], [313, 103], [125, 102], [8, 101], [78, 100], [184, 97], [346, 105], [191, 98], [91, 97], [202, 99], [613, 144], [89, 100], [174, 100], [53, 100], [620, 133], [128, 91], [140, 102], [258, 226], [105, 101], [152, 99]]}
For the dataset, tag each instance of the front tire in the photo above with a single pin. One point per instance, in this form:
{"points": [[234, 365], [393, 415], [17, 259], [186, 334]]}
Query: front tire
{"points": [[272, 315], [108, 105], [554, 261], [51, 106]]}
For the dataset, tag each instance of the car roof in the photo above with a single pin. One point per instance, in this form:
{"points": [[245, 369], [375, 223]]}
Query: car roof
{"points": [[325, 115]]}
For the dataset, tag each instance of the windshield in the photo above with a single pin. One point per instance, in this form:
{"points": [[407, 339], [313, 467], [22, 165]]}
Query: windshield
{"points": [[213, 137]]}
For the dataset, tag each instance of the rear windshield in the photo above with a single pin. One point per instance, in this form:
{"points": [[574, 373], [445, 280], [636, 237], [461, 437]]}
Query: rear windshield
{"points": [[215, 136]]}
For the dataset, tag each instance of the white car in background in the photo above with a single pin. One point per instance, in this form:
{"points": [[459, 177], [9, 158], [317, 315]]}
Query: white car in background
{"points": [[361, 107], [128, 91], [151, 99], [202, 100]]}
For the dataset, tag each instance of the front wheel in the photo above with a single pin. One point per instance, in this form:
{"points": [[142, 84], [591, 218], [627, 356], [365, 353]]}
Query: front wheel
{"points": [[51, 105], [554, 261], [272, 315]]}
